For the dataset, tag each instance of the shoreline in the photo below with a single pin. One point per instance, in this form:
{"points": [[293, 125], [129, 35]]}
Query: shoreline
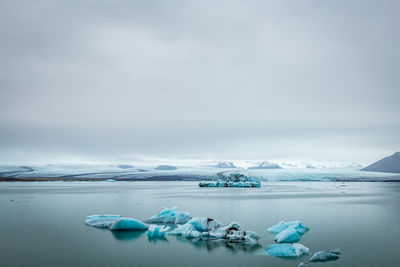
{"points": [[179, 178]]}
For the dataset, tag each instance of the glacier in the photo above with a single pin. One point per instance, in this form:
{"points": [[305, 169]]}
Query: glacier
{"points": [[93, 172], [287, 250], [170, 216]]}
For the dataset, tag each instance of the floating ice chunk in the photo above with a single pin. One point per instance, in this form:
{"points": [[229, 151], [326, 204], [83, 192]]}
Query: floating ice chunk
{"points": [[173, 216], [210, 229], [110, 180], [289, 235], [297, 225], [240, 237], [253, 235], [287, 250], [186, 230], [234, 180], [157, 230], [322, 256], [102, 221], [128, 224], [202, 224]]}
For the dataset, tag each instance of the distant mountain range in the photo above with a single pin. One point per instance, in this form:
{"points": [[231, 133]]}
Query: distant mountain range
{"points": [[225, 164], [266, 165], [388, 164]]}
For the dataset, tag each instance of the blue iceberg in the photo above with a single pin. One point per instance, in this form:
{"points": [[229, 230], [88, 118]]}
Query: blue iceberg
{"points": [[289, 235], [128, 224], [202, 224], [287, 250], [102, 221], [172, 216], [296, 225]]}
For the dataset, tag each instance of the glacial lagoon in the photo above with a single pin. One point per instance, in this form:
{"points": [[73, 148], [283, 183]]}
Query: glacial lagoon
{"points": [[42, 223]]}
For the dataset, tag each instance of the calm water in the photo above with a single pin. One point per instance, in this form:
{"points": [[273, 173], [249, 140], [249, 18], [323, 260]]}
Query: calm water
{"points": [[42, 224]]}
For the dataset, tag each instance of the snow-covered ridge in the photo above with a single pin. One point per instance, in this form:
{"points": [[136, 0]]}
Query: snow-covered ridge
{"points": [[299, 172]]}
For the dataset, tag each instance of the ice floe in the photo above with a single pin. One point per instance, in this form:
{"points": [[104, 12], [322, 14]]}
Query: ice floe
{"points": [[323, 256], [210, 229], [287, 250], [198, 229], [102, 221], [170, 216], [202, 224], [289, 235], [128, 224], [157, 231], [296, 225], [233, 180]]}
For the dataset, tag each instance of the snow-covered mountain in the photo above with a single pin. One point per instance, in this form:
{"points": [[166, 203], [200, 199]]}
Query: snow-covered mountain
{"points": [[266, 165], [223, 164], [388, 164]]}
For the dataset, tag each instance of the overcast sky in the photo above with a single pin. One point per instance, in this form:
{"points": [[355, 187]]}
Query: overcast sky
{"points": [[124, 80]]}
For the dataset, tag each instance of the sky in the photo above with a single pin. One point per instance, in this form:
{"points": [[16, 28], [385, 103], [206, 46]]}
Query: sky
{"points": [[118, 81]]}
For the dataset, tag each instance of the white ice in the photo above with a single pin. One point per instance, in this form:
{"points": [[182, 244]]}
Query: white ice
{"points": [[172, 216], [157, 230], [322, 256], [102, 221], [186, 230], [210, 229], [287, 250], [128, 224]]}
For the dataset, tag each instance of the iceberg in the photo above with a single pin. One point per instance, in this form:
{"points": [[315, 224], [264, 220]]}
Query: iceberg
{"points": [[128, 224], [287, 250], [110, 180], [212, 230], [102, 221], [233, 180], [157, 231], [296, 225], [289, 235], [202, 224], [172, 216], [325, 255], [186, 230]]}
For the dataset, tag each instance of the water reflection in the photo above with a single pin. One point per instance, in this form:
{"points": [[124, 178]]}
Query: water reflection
{"points": [[198, 243], [161, 239], [209, 245], [127, 235]]}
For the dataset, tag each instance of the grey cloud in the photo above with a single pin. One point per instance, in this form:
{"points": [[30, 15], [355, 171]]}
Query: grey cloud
{"points": [[228, 79]]}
